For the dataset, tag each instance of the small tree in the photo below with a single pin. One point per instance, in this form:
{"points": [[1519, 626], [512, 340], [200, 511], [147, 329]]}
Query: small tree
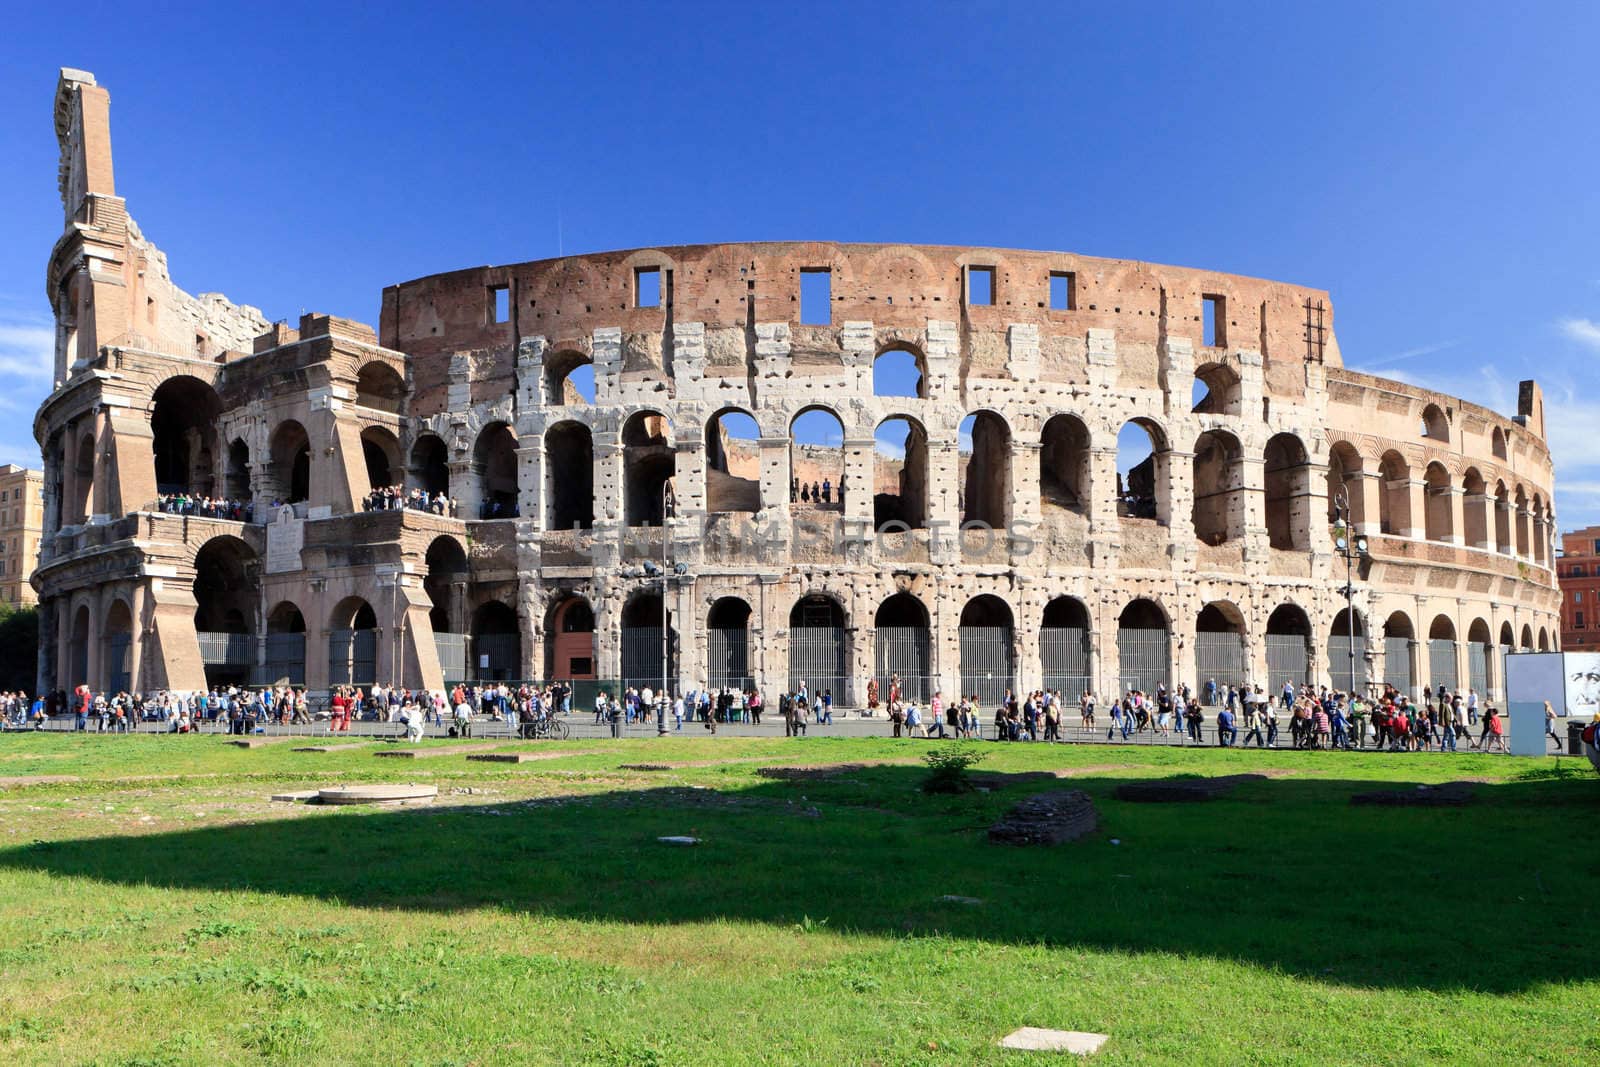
{"points": [[947, 769], [19, 646]]}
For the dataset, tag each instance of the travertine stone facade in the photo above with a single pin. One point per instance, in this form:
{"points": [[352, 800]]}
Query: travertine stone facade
{"points": [[1216, 555]]}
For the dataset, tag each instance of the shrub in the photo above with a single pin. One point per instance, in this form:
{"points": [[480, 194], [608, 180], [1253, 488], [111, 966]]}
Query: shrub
{"points": [[947, 769]]}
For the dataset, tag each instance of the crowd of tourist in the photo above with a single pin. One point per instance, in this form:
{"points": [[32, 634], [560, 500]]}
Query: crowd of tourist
{"points": [[205, 507], [399, 498]]}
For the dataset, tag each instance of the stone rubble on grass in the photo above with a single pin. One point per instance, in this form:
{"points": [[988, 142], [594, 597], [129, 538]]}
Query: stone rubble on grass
{"points": [[679, 840], [951, 898], [1037, 1039], [1047, 819]]}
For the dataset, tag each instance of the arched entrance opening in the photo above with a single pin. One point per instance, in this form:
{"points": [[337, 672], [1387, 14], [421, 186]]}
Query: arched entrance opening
{"points": [[494, 460], [569, 476], [988, 651], [290, 472], [82, 491], [645, 663], [1144, 646], [728, 645], [1438, 522], [1288, 646], [901, 646], [900, 473], [1347, 654], [569, 378], [984, 454], [446, 586], [1064, 464], [1287, 480], [816, 458], [353, 643], [899, 372], [1394, 496], [227, 593], [733, 462], [380, 387], [648, 466], [818, 654], [1544, 639], [1519, 504], [286, 646], [1064, 647], [1216, 391], [183, 432], [1480, 658], [1527, 638], [569, 640], [1345, 473], [237, 483], [430, 467], [1442, 654], [381, 451], [1508, 645], [117, 635], [1219, 490], [78, 649], [1502, 519], [1475, 510], [496, 643], [1399, 640], [1219, 652]]}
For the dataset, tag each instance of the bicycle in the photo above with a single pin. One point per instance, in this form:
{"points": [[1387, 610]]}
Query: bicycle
{"points": [[551, 729]]}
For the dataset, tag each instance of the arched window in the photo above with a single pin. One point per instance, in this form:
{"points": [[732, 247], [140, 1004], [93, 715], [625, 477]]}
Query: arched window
{"points": [[380, 387], [1287, 475], [1142, 483], [1438, 519], [984, 453], [1475, 509], [648, 467], [733, 462], [1064, 464], [237, 485], [446, 585], [900, 480], [183, 416], [1216, 391], [430, 468], [569, 378], [899, 372], [1219, 490], [381, 451], [569, 476], [1502, 519], [290, 475], [494, 460], [1394, 496], [1497, 443], [816, 459], [1345, 470], [1435, 426]]}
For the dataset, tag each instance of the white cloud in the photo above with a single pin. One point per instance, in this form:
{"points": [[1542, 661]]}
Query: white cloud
{"points": [[27, 349], [1583, 331]]}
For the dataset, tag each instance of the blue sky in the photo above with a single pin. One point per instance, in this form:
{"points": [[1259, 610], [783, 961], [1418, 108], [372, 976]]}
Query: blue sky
{"points": [[1433, 166]]}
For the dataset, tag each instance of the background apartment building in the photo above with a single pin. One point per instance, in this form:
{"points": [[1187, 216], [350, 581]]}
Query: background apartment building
{"points": [[21, 525]]}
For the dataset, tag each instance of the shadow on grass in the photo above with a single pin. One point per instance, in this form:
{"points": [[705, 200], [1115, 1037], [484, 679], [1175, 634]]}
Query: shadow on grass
{"points": [[1283, 874]]}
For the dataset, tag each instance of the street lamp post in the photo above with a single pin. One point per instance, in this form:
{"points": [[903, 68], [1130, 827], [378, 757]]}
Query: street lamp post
{"points": [[653, 572], [1352, 549]]}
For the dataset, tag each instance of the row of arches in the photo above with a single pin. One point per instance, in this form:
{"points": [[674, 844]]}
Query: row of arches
{"points": [[1500, 518]]}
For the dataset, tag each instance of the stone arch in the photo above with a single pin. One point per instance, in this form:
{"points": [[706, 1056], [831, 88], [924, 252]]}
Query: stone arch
{"points": [[1442, 654], [1475, 509], [1144, 645], [380, 387], [988, 649], [496, 635], [1541, 531], [1347, 659], [1218, 486], [641, 641], [116, 637], [1288, 646], [1064, 465], [494, 462], [1526, 644], [569, 377], [227, 589], [83, 475], [445, 583], [648, 464], [353, 643], [380, 450], [986, 469], [819, 640], [1217, 390], [1438, 514], [733, 470], [1064, 646], [1435, 426], [900, 473], [286, 644], [816, 455], [728, 644], [1519, 504], [1346, 471], [1497, 443], [78, 648], [1502, 519], [1544, 639], [1480, 657], [183, 435], [569, 643], [1394, 495], [1219, 646], [430, 465], [903, 647], [289, 472], [1286, 472], [236, 482], [1143, 479], [900, 369], [569, 476]]}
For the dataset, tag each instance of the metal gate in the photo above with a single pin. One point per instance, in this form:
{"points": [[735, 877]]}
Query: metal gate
{"points": [[1219, 657], [352, 657], [503, 651], [728, 658], [286, 658], [119, 650], [987, 659], [1145, 657], [452, 650], [1064, 656], [1288, 660], [902, 650], [1397, 663], [817, 658], [641, 657], [1478, 667], [1442, 663], [1339, 663]]}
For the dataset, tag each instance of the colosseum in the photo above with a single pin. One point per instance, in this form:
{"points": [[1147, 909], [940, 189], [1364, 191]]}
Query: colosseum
{"points": [[973, 467]]}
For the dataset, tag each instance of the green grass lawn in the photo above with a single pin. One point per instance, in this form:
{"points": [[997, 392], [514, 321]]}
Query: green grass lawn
{"points": [[160, 910]]}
